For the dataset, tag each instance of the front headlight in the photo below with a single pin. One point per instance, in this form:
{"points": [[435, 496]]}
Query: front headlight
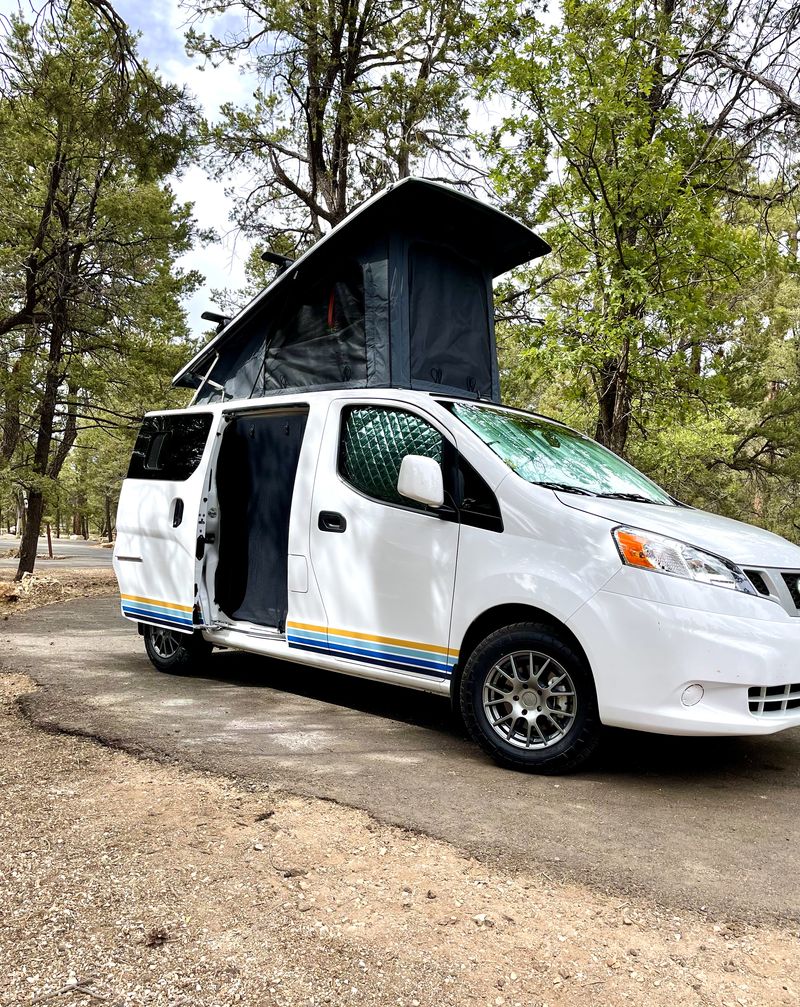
{"points": [[649, 551]]}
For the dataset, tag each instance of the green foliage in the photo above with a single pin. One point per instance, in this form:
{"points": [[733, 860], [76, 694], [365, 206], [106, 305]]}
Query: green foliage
{"points": [[646, 142], [91, 321]]}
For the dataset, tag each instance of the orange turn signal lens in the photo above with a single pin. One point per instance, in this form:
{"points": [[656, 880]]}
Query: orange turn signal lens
{"points": [[631, 548]]}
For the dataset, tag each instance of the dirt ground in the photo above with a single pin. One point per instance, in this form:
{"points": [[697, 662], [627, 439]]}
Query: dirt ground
{"points": [[38, 589], [134, 883]]}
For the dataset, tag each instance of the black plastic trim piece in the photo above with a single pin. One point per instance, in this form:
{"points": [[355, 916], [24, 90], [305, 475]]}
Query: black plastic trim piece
{"points": [[330, 520]]}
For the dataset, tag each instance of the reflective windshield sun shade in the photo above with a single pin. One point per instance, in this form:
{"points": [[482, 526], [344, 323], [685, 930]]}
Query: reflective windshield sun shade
{"points": [[542, 451]]}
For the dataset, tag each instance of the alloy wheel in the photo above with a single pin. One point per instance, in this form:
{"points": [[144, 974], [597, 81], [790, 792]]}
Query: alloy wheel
{"points": [[529, 700]]}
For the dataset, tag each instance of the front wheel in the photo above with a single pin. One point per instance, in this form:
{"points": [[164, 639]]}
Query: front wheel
{"points": [[528, 699], [174, 652]]}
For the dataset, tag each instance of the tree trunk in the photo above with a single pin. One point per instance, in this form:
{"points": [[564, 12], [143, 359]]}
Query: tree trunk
{"points": [[41, 454], [613, 406], [108, 518], [21, 522], [30, 537]]}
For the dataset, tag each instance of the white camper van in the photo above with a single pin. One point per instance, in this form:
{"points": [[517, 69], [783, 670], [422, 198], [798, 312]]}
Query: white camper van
{"points": [[347, 492]]}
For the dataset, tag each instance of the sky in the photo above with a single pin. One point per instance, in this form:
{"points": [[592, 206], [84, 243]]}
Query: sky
{"points": [[162, 25]]}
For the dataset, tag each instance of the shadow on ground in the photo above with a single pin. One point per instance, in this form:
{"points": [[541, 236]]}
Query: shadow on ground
{"points": [[691, 821]]}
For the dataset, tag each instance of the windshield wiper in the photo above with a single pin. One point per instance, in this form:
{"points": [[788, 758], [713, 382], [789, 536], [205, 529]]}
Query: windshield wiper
{"points": [[564, 488], [636, 497]]}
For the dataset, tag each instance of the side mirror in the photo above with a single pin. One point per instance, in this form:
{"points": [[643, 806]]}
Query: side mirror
{"points": [[420, 479]]}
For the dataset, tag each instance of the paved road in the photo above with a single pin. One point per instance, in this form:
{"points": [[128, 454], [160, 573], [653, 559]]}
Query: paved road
{"points": [[696, 822], [66, 552]]}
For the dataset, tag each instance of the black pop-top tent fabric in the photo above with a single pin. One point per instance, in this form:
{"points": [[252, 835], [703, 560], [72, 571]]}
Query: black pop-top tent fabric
{"points": [[398, 295]]}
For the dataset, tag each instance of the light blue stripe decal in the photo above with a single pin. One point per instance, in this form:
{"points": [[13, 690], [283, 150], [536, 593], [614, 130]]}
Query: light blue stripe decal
{"points": [[146, 606], [395, 655], [158, 612], [368, 647], [138, 613], [381, 661], [150, 617], [389, 648], [311, 634], [388, 656]]}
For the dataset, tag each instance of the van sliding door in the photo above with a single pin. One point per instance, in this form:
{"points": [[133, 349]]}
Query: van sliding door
{"points": [[255, 484]]}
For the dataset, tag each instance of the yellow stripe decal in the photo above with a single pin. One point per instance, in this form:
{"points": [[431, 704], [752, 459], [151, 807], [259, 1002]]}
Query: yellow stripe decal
{"points": [[392, 641], [162, 604]]}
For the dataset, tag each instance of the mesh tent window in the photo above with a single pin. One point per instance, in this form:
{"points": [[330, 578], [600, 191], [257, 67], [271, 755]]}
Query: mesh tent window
{"points": [[316, 338], [449, 320], [321, 340]]}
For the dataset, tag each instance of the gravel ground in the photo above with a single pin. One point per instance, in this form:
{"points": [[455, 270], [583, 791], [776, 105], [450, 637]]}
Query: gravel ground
{"points": [[134, 883]]}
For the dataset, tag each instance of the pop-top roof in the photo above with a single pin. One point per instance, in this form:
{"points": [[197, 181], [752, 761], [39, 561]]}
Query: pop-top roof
{"points": [[482, 233]]}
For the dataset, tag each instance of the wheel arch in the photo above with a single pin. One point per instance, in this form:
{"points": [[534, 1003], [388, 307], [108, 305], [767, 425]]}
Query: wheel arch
{"points": [[496, 618]]}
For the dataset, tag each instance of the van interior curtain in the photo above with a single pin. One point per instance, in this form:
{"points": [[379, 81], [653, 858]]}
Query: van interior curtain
{"points": [[255, 482]]}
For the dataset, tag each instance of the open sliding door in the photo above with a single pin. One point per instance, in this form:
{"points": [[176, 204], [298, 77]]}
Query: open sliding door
{"points": [[255, 480]]}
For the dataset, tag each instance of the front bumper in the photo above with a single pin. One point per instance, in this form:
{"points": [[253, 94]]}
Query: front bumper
{"points": [[645, 653]]}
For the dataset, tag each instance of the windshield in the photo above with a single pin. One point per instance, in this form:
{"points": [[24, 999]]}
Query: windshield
{"points": [[550, 455]]}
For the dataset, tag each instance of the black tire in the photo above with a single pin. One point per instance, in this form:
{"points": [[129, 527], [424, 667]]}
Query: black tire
{"points": [[189, 653], [496, 665]]}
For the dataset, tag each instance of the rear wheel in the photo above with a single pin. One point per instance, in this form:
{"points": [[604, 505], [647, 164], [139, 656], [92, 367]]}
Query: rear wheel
{"points": [[175, 652], [528, 699]]}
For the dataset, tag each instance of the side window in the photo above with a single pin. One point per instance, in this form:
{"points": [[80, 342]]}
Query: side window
{"points": [[169, 447], [374, 441]]}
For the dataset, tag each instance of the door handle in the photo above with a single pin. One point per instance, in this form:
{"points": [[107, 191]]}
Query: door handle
{"points": [[330, 520], [177, 513]]}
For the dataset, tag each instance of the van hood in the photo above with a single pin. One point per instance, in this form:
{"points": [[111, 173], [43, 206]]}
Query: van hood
{"points": [[742, 543]]}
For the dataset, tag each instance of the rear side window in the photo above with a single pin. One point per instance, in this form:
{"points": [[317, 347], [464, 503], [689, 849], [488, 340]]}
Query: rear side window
{"points": [[375, 440], [169, 447]]}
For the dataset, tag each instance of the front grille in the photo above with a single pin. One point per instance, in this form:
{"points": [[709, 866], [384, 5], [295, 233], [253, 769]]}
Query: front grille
{"points": [[767, 699], [757, 581], [782, 586], [791, 581]]}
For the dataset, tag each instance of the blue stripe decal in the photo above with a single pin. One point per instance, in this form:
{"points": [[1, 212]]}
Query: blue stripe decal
{"points": [[144, 606], [172, 614], [372, 647], [378, 655], [313, 635], [407, 654], [298, 644], [138, 614], [386, 658]]}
